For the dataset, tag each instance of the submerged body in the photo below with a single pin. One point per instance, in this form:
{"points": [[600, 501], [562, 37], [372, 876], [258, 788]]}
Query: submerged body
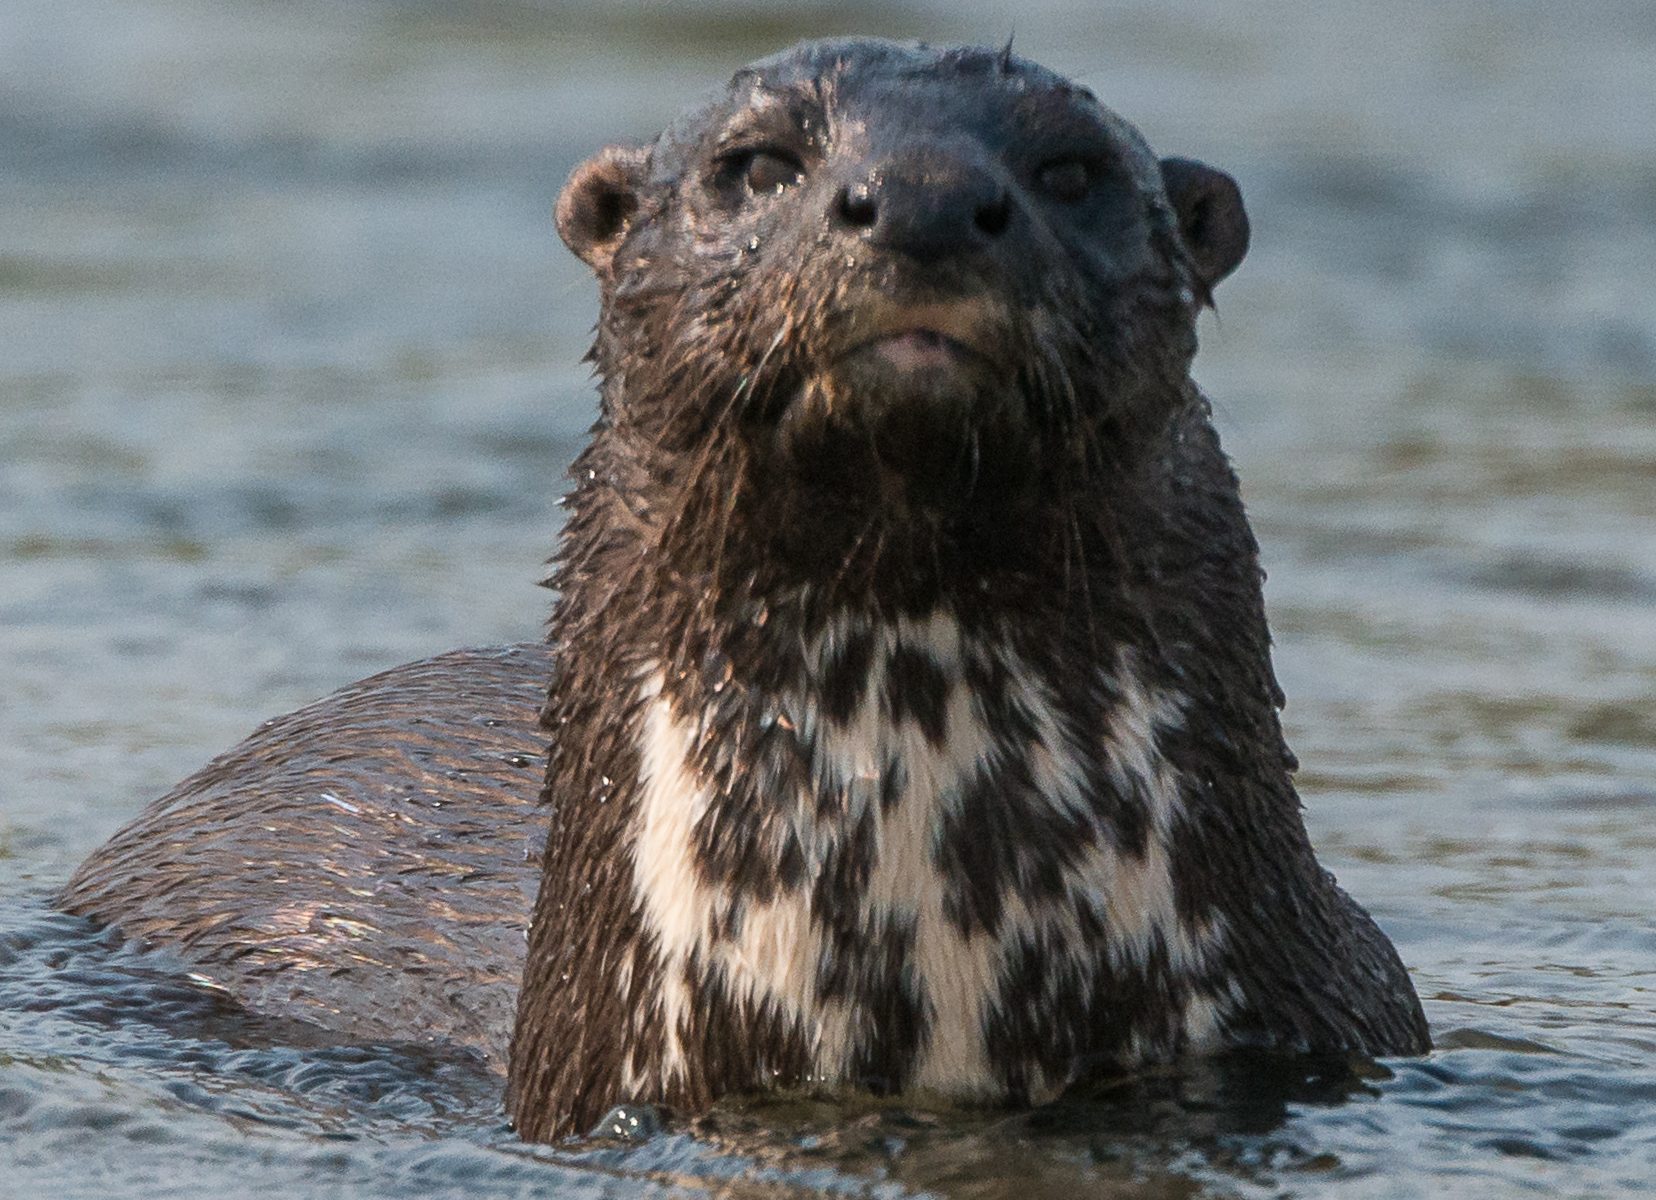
{"points": [[913, 724]]}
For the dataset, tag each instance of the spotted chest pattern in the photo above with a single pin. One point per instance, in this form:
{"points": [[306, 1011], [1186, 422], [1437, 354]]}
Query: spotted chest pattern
{"points": [[920, 867]]}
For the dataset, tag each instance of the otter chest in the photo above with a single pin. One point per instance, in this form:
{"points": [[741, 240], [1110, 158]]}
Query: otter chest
{"points": [[923, 867]]}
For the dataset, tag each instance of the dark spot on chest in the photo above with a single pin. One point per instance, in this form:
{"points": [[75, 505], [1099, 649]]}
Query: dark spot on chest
{"points": [[1002, 835], [917, 690], [845, 675]]}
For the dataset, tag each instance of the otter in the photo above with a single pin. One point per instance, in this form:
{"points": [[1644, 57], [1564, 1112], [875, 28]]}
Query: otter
{"points": [[911, 715]]}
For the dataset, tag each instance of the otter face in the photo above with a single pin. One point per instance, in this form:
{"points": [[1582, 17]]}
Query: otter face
{"points": [[900, 274]]}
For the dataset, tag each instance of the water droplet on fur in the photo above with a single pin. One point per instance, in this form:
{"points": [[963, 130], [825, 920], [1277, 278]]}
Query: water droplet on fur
{"points": [[753, 243], [630, 1123]]}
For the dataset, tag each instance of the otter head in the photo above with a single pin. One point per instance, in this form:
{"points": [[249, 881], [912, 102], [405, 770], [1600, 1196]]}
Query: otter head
{"points": [[882, 292]]}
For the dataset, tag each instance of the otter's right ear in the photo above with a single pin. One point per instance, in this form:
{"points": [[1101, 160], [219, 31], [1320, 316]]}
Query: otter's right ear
{"points": [[596, 206], [1212, 222]]}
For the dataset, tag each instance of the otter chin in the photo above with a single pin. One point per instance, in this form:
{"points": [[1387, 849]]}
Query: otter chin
{"points": [[909, 363], [911, 714], [908, 353], [913, 341]]}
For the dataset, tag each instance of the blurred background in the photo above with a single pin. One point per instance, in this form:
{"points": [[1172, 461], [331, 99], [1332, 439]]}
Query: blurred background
{"points": [[289, 378]]}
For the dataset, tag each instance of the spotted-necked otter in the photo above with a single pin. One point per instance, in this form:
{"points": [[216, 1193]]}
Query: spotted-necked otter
{"points": [[911, 713]]}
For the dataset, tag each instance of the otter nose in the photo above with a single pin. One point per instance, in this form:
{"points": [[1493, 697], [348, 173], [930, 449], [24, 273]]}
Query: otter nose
{"points": [[927, 207]]}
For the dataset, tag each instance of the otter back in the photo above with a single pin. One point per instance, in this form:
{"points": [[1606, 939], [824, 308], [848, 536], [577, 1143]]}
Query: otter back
{"points": [[366, 863]]}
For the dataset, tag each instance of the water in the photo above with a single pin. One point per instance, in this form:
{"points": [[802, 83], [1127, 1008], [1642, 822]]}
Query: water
{"points": [[289, 376]]}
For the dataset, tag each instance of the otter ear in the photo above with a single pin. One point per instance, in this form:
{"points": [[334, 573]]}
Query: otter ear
{"points": [[1212, 222], [597, 205]]}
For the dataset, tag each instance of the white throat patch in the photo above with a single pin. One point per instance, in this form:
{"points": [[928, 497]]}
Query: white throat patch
{"points": [[772, 957]]}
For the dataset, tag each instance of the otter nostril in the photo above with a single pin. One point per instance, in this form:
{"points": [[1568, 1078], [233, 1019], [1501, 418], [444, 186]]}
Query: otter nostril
{"points": [[857, 207], [992, 218]]}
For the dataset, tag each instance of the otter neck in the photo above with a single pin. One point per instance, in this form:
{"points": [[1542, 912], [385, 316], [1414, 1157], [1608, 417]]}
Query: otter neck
{"points": [[764, 511], [857, 838]]}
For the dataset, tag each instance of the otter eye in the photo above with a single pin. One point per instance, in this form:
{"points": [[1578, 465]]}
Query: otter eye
{"points": [[770, 171], [1064, 179]]}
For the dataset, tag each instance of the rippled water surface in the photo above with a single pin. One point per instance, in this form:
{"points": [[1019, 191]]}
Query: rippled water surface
{"points": [[289, 377]]}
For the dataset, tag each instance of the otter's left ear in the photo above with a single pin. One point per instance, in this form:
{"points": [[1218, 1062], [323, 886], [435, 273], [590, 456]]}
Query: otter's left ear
{"points": [[596, 207], [1212, 222]]}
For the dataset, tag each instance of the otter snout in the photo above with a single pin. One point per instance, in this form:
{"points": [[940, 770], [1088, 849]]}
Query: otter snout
{"points": [[925, 203]]}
